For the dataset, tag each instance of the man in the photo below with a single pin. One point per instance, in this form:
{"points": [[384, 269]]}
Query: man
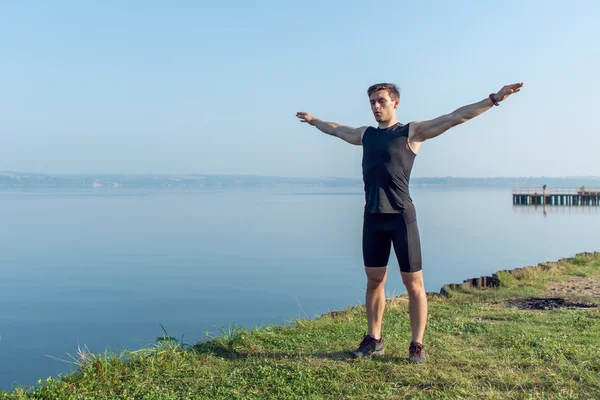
{"points": [[389, 151]]}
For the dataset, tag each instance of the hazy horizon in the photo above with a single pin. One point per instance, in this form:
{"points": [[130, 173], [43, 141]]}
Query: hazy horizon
{"points": [[28, 181], [288, 176]]}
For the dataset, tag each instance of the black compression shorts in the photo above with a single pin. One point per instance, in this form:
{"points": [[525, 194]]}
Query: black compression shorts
{"points": [[381, 230]]}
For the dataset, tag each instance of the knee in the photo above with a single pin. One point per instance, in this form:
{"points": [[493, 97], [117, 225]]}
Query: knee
{"points": [[374, 282], [414, 287]]}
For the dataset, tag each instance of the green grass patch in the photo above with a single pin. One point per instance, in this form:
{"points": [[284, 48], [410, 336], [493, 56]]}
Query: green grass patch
{"points": [[476, 347]]}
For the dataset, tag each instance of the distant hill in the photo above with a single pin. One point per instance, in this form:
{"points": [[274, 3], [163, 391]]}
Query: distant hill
{"points": [[34, 180], [509, 182], [28, 180]]}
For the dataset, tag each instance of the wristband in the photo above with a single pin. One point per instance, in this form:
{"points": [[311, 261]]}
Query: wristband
{"points": [[493, 99]]}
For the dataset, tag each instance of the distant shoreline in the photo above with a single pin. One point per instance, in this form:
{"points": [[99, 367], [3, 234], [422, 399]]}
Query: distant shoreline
{"points": [[34, 180]]}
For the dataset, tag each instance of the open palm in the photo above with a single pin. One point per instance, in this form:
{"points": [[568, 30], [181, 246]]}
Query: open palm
{"points": [[508, 90]]}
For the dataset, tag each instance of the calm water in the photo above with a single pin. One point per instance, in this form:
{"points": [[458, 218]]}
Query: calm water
{"points": [[104, 268]]}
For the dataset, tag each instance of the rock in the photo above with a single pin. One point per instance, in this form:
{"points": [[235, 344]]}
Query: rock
{"points": [[482, 282]]}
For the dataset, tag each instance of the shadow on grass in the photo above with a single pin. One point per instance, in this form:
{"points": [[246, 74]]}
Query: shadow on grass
{"points": [[221, 351]]}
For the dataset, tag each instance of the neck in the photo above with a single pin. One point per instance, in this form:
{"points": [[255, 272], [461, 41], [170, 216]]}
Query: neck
{"points": [[387, 124]]}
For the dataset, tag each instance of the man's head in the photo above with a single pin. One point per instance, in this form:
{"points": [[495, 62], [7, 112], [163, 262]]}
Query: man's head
{"points": [[385, 99]]}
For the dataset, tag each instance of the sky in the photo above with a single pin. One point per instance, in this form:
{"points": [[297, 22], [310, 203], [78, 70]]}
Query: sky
{"points": [[213, 87]]}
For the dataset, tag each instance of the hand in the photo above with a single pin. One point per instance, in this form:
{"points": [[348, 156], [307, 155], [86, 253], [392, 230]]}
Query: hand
{"points": [[305, 117], [507, 91]]}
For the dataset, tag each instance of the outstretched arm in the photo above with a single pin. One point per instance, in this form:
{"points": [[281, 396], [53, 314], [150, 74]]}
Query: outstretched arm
{"points": [[424, 130], [346, 133]]}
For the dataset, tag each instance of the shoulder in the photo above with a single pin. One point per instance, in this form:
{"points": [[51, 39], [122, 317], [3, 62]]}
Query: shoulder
{"points": [[402, 129], [413, 128], [413, 132], [363, 130]]}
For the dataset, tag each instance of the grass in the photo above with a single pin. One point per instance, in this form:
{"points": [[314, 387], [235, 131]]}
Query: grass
{"points": [[477, 347]]}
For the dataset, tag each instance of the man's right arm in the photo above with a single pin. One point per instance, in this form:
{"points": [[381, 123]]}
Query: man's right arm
{"points": [[346, 133]]}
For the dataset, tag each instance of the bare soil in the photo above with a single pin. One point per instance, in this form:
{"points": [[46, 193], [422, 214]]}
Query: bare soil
{"points": [[576, 287], [568, 294]]}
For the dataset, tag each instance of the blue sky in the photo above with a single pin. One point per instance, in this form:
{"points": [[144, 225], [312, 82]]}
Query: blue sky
{"points": [[213, 87]]}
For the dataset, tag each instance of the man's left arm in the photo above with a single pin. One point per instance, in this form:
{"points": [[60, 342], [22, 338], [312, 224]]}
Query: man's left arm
{"points": [[424, 130]]}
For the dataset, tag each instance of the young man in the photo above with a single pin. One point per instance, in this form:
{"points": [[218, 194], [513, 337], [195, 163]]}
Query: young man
{"points": [[389, 151]]}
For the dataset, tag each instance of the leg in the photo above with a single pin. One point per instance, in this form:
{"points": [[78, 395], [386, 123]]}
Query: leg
{"points": [[417, 303], [377, 246], [376, 252], [375, 299], [407, 246]]}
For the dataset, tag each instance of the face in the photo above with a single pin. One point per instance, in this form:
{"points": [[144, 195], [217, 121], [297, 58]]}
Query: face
{"points": [[382, 106]]}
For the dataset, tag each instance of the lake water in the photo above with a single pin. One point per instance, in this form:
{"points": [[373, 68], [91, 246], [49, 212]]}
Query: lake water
{"points": [[104, 268]]}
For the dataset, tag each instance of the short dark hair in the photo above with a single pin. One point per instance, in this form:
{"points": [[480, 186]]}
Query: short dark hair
{"points": [[390, 87]]}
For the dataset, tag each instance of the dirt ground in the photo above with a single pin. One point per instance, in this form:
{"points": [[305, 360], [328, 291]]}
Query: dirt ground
{"points": [[568, 294], [576, 287], [537, 303]]}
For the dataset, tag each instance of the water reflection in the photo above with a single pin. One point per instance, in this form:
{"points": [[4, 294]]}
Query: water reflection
{"points": [[546, 209]]}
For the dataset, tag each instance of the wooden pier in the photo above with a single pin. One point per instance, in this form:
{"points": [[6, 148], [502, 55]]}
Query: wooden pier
{"points": [[557, 196]]}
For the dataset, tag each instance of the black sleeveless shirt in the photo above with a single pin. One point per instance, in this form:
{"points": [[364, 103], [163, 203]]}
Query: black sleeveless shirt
{"points": [[386, 166]]}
